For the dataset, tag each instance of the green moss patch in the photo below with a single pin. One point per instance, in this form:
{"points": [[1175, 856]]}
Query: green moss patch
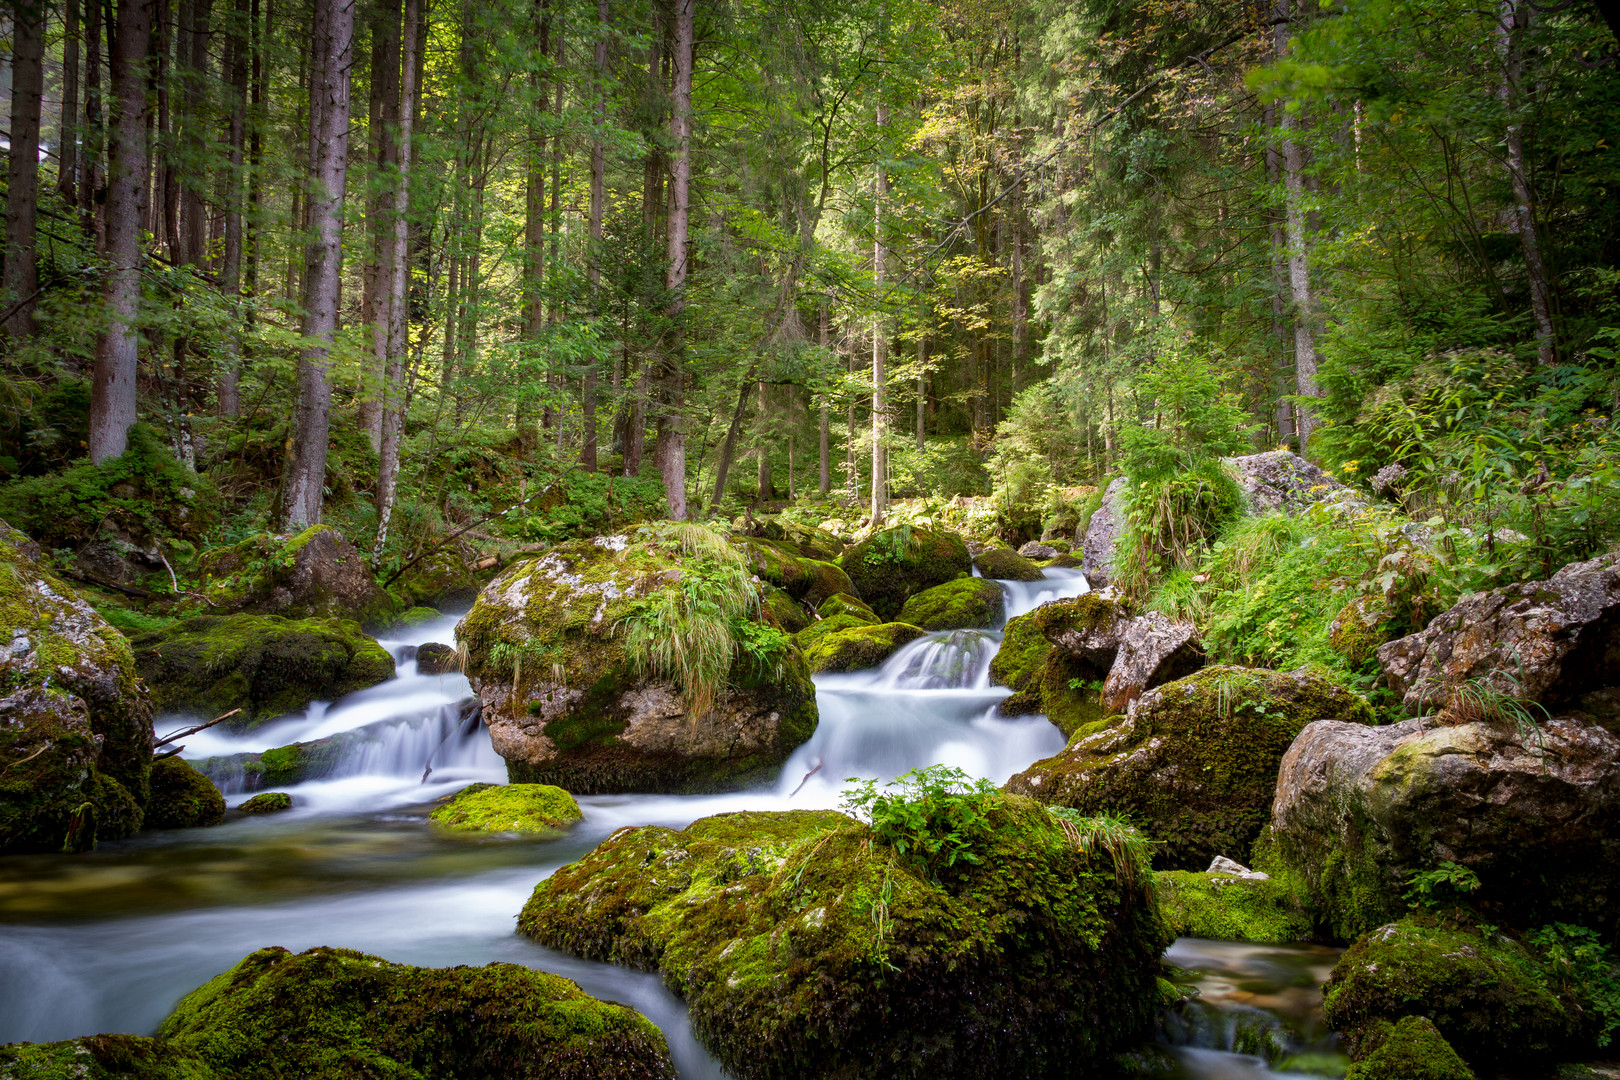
{"points": [[1411, 1049], [267, 802], [102, 1057], [890, 567], [805, 947], [845, 604], [967, 603], [1226, 908], [182, 797], [1005, 564], [264, 665], [335, 1014], [855, 646], [522, 808], [1195, 765]]}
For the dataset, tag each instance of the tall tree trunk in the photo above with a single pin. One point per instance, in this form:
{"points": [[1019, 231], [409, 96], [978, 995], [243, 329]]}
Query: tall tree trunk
{"points": [[259, 75], [1515, 22], [374, 275], [587, 447], [1299, 267], [534, 221], [922, 391], [194, 212], [824, 432], [27, 85], [305, 471], [399, 295], [728, 445], [112, 395], [671, 431], [170, 74], [231, 268], [67, 170], [90, 147], [880, 333], [763, 488], [1284, 373]]}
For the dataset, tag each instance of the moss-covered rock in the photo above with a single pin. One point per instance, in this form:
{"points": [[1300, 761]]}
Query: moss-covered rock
{"points": [[334, 1014], [102, 1057], [1195, 762], [282, 766], [859, 646], [1227, 908], [267, 802], [782, 611], [1410, 1049], [813, 633], [75, 723], [316, 573], [806, 948], [1045, 679], [967, 603], [547, 648], [1486, 993], [523, 808], [182, 797], [845, 604], [441, 579], [264, 665], [806, 578], [411, 618], [1005, 564], [890, 567], [1018, 663], [436, 658]]}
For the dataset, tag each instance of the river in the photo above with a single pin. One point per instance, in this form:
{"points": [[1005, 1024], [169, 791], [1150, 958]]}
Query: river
{"points": [[110, 940]]}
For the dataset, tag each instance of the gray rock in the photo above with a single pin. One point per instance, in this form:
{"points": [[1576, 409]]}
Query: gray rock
{"points": [[1102, 533], [1281, 480], [1037, 550], [435, 658], [1153, 650], [1547, 641], [1534, 812], [1230, 869], [315, 573]]}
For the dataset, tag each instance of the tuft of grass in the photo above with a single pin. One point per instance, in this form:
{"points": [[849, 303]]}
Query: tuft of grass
{"points": [[1130, 851]]}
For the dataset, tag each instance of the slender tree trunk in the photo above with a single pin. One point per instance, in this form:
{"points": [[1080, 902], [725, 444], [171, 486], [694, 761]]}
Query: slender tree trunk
{"points": [[1299, 268], [399, 296], [534, 323], [1284, 373], [1515, 22], [880, 336], [922, 392], [728, 445], [374, 275], [90, 148], [587, 450], [194, 212], [170, 74], [824, 434], [112, 396], [231, 268], [305, 471], [671, 430], [255, 155], [27, 85], [67, 170], [763, 487]]}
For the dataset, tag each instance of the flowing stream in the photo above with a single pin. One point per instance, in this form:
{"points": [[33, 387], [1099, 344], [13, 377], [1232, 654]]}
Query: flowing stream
{"points": [[109, 941]]}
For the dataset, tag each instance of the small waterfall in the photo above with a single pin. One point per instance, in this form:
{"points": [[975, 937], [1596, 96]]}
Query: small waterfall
{"points": [[1059, 584], [948, 660]]}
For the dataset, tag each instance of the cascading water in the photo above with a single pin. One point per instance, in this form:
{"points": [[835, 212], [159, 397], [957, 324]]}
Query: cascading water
{"points": [[111, 940]]}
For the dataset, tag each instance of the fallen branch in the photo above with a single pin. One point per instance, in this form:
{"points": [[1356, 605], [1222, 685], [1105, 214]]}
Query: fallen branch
{"points": [[184, 733], [90, 579], [436, 546], [30, 757], [807, 777]]}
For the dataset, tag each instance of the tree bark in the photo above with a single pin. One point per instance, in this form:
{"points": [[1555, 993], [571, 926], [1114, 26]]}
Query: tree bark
{"points": [[194, 212], [228, 397], [90, 150], [112, 395], [880, 334], [399, 297], [305, 471], [922, 392], [763, 487], [1298, 247], [587, 448], [824, 434], [671, 450], [27, 84], [534, 207], [382, 113], [67, 170], [1515, 21]]}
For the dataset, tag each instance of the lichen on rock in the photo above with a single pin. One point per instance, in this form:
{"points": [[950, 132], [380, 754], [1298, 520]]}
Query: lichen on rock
{"points": [[1194, 763], [889, 567], [519, 808], [968, 603], [806, 948]]}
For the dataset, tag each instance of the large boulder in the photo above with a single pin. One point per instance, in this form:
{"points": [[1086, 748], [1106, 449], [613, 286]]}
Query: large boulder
{"points": [[969, 603], [1281, 480], [1534, 812], [1224, 906], [1194, 764], [264, 665], [807, 579], [1549, 642], [890, 567], [314, 573], [806, 946], [334, 1014], [75, 723], [636, 664], [1044, 678], [1005, 564], [442, 578], [182, 797], [1412, 1048], [1102, 534], [1127, 654], [1487, 994]]}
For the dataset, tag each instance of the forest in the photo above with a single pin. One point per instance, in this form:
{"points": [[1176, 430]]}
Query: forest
{"points": [[895, 537]]}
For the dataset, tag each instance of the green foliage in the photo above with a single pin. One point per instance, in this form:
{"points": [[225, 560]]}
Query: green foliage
{"points": [[581, 504], [1446, 885], [943, 468], [936, 815], [1580, 966]]}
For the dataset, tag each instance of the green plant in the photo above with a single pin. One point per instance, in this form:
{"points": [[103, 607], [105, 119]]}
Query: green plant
{"points": [[937, 815], [890, 546], [1447, 885], [1579, 965], [1127, 848]]}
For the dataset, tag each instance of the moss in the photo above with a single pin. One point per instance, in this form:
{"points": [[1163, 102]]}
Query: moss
{"points": [[804, 576], [1005, 564], [782, 611], [1018, 665], [524, 808], [968, 603], [267, 802], [1226, 908], [1485, 992], [435, 658], [441, 579], [414, 617], [282, 766], [1411, 1049], [315, 574], [813, 633], [804, 947], [890, 567], [264, 665], [1079, 615], [102, 1057], [1195, 764], [845, 604], [1070, 695], [182, 797], [333, 1014], [852, 648]]}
